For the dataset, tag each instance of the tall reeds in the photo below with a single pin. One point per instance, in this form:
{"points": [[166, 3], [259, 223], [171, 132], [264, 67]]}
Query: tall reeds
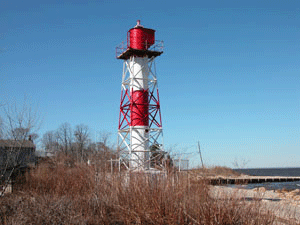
{"points": [[64, 193]]}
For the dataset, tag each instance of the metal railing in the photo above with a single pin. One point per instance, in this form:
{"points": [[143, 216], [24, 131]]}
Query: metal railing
{"points": [[158, 46], [181, 164]]}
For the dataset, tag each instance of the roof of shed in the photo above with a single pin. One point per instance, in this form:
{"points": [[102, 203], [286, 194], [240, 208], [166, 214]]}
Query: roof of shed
{"points": [[17, 143]]}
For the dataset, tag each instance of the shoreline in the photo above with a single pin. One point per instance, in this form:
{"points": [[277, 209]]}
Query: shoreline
{"points": [[284, 205]]}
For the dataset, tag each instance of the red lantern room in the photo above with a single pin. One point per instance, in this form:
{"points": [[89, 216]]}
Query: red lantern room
{"points": [[140, 38], [140, 42]]}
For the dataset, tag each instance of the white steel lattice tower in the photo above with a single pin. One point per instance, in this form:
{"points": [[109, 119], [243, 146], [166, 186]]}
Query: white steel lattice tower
{"points": [[140, 139]]}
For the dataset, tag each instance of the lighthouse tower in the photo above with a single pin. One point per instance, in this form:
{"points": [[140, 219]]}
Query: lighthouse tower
{"points": [[140, 138]]}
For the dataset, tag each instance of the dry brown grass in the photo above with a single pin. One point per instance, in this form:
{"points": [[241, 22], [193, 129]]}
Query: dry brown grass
{"points": [[216, 171], [62, 194]]}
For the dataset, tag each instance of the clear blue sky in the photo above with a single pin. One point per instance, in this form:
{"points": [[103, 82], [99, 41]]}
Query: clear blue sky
{"points": [[229, 76]]}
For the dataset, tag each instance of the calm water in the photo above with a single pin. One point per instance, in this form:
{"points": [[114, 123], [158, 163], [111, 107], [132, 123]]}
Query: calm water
{"points": [[290, 172]]}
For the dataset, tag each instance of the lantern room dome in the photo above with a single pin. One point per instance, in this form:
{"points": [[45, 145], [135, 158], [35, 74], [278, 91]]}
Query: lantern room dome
{"points": [[140, 42]]}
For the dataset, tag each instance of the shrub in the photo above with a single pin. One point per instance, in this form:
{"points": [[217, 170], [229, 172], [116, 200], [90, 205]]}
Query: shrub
{"points": [[56, 193]]}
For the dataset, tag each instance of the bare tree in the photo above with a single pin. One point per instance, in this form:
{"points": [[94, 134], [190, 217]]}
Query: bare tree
{"points": [[82, 138], [103, 146], [65, 138], [241, 163], [104, 138], [50, 142], [19, 123]]}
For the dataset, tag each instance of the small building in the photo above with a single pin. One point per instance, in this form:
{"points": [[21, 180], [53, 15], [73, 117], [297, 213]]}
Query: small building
{"points": [[16, 153], [16, 156]]}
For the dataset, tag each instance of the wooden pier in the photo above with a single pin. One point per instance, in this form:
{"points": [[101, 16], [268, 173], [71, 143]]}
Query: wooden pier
{"points": [[250, 180]]}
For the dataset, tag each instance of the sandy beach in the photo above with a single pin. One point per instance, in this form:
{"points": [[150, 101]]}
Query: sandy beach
{"points": [[285, 205]]}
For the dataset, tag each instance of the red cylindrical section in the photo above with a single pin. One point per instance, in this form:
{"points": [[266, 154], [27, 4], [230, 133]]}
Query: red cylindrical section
{"points": [[141, 38], [139, 108]]}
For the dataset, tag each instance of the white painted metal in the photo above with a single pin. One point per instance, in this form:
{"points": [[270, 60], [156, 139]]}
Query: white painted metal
{"points": [[140, 157], [134, 143], [139, 71]]}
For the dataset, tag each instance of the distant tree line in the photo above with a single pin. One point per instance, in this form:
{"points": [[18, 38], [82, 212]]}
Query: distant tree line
{"points": [[20, 123], [77, 143]]}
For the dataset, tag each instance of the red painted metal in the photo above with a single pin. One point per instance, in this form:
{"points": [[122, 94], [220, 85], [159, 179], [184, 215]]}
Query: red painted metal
{"points": [[124, 117], [139, 108], [140, 38]]}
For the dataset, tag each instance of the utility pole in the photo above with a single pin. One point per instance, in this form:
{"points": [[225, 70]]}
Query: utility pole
{"points": [[200, 154]]}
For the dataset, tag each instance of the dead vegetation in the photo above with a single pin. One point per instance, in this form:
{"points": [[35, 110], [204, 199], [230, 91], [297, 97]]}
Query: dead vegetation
{"points": [[64, 193], [215, 171]]}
